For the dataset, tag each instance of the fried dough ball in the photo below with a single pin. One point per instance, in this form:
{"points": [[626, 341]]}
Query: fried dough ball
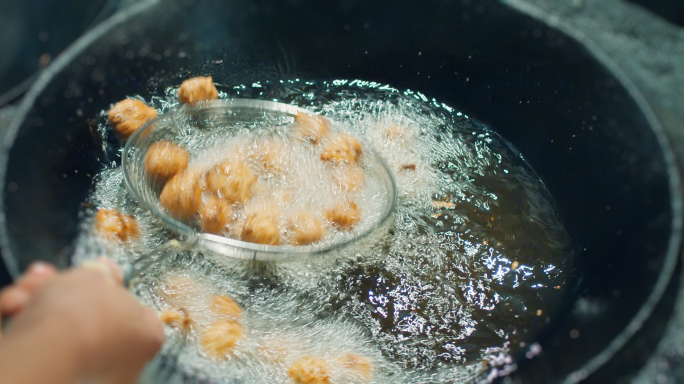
{"points": [[305, 228], [407, 167], [220, 338], [271, 155], [394, 132], [197, 89], [350, 178], [437, 204], [164, 159], [360, 364], [282, 196], [311, 128], [128, 115], [274, 348], [342, 149], [398, 134], [344, 214], [231, 180], [179, 287], [182, 195], [262, 224], [116, 226], [177, 318], [224, 305], [310, 370], [215, 214]]}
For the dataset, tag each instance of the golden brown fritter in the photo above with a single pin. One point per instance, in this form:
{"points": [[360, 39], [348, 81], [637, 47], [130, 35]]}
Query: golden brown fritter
{"points": [[342, 148], [262, 223], [394, 132], [225, 306], [182, 195], [179, 287], [116, 226], [215, 214], [359, 364], [177, 318], [305, 228], [128, 115], [275, 348], [197, 89], [437, 204], [272, 156], [231, 180], [311, 128], [344, 215], [164, 159], [310, 370], [282, 196], [350, 178], [407, 167], [219, 339]]}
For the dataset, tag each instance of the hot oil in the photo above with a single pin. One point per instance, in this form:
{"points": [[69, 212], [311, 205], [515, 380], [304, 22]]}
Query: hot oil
{"points": [[295, 178], [472, 270], [281, 329]]}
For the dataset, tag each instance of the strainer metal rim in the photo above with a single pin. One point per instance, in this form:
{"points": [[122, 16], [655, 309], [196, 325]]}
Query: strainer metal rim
{"points": [[234, 248]]}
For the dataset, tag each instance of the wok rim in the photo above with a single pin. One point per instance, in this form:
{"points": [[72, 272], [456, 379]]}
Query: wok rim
{"points": [[671, 255]]}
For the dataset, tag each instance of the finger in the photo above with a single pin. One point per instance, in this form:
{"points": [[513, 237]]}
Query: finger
{"points": [[114, 268], [37, 273], [14, 297], [12, 300], [108, 268], [153, 329], [42, 269]]}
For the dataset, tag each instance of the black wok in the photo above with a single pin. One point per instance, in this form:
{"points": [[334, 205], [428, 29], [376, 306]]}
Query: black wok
{"points": [[593, 142]]}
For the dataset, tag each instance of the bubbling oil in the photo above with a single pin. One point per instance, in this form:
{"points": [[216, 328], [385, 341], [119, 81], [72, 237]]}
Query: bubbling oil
{"points": [[471, 271], [301, 182]]}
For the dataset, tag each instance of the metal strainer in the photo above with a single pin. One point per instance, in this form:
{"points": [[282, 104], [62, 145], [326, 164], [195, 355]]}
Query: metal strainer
{"points": [[233, 116]]}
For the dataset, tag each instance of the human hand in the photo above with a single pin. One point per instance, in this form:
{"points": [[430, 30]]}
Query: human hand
{"points": [[14, 297], [84, 325]]}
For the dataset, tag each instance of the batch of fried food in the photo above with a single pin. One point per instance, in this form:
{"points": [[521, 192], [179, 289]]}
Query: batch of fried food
{"points": [[229, 198], [217, 323], [234, 198]]}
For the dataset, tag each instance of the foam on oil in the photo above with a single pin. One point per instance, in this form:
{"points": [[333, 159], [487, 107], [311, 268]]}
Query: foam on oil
{"points": [[301, 182], [473, 267]]}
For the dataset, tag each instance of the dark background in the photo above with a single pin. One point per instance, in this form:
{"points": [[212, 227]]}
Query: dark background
{"points": [[670, 10], [33, 32]]}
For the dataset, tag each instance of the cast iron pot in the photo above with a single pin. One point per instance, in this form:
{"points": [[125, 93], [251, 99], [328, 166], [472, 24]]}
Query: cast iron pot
{"points": [[587, 133]]}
